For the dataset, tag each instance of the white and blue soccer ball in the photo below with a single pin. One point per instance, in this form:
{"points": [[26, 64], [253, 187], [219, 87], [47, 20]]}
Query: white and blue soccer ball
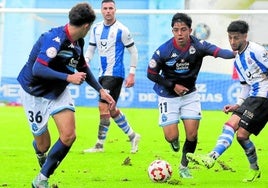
{"points": [[159, 171]]}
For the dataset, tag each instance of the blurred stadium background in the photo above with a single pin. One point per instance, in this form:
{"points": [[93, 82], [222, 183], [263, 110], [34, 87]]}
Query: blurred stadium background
{"points": [[22, 21]]}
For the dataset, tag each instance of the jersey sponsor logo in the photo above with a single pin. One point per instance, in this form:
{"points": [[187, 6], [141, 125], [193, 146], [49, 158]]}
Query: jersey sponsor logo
{"points": [[152, 63], [65, 54], [73, 63], [56, 39], [71, 45], [171, 62], [157, 52], [173, 55], [182, 66], [51, 52]]}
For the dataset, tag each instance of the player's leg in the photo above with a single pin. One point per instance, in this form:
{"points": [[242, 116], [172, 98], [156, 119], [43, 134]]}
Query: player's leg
{"points": [[250, 151], [122, 122], [115, 85], [223, 143], [104, 125], [37, 115], [41, 145], [190, 115], [168, 119], [252, 125], [189, 146], [62, 110], [36, 109]]}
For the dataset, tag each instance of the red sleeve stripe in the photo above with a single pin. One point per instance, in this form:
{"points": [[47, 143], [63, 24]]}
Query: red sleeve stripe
{"points": [[151, 71], [216, 52], [42, 61]]}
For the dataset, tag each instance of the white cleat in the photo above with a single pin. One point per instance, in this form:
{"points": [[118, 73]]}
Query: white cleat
{"points": [[98, 148], [134, 143]]}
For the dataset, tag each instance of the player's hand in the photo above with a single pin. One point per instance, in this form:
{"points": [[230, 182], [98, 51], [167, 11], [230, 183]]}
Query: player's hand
{"points": [[180, 89], [230, 108], [130, 81], [76, 78], [108, 98]]}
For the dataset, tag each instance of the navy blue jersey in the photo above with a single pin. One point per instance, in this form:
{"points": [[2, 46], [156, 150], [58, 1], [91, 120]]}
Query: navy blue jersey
{"points": [[172, 65], [54, 50]]}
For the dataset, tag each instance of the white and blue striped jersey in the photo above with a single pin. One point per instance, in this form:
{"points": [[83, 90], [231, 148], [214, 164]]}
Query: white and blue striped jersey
{"points": [[111, 42], [252, 69]]}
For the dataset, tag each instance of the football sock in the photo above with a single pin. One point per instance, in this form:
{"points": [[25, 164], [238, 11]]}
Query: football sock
{"points": [[250, 152], [188, 147], [103, 127], [121, 121], [54, 157], [224, 141]]}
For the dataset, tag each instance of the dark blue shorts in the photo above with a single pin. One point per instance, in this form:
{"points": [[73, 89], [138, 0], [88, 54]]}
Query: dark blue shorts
{"points": [[254, 114], [113, 85]]}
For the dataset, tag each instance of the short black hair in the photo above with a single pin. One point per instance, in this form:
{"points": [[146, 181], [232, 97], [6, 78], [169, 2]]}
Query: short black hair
{"points": [[181, 17], [81, 13], [107, 1], [238, 26]]}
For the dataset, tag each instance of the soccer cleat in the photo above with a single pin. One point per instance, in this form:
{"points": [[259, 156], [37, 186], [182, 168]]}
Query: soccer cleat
{"points": [[134, 143], [185, 173], [200, 159], [252, 175], [41, 159], [96, 149], [39, 183]]}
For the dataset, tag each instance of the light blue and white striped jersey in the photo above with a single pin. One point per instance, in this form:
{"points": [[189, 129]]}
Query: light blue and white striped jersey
{"points": [[111, 42], [252, 68]]}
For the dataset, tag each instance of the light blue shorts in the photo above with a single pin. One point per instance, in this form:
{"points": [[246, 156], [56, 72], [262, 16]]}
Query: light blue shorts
{"points": [[171, 110], [39, 109]]}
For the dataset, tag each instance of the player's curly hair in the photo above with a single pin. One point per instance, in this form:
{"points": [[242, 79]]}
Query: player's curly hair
{"points": [[239, 26], [81, 13], [181, 17]]}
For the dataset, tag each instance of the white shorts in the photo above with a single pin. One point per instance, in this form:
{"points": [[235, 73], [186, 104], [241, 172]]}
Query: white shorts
{"points": [[39, 109], [171, 110]]}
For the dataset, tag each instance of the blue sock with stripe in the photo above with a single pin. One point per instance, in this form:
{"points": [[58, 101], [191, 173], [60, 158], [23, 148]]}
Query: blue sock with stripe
{"points": [[223, 142]]}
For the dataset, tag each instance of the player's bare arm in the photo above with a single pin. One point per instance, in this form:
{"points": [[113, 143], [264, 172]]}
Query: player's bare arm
{"points": [[230, 108], [130, 80]]}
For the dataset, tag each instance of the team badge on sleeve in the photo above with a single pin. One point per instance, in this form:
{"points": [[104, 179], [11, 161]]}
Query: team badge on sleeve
{"points": [[51, 52], [152, 63]]}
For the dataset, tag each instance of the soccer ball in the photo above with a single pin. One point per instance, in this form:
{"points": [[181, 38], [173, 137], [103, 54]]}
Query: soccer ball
{"points": [[159, 171]]}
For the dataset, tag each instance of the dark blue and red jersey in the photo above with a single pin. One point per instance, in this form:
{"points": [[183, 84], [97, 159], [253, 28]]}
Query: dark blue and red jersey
{"points": [[172, 65], [51, 59]]}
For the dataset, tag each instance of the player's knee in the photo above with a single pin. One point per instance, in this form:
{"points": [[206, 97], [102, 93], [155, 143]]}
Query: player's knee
{"points": [[68, 139], [241, 138]]}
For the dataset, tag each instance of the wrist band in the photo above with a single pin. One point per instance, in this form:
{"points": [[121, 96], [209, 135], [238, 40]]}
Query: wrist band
{"points": [[132, 70]]}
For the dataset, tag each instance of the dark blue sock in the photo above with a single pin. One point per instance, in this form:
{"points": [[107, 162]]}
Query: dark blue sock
{"points": [[54, 158]]}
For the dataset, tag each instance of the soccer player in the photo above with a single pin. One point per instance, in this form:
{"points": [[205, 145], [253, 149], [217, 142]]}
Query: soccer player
{"points": [[44, 79], [110, 38], [250, 113], [174, 68]]}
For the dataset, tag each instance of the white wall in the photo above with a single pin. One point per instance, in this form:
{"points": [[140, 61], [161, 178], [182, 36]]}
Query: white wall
{"points": [[219, 23]]}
